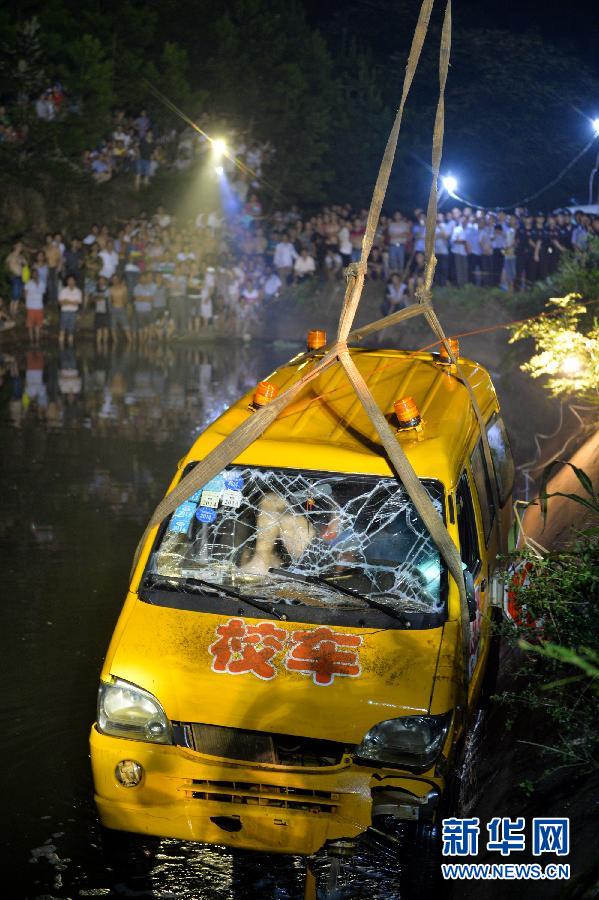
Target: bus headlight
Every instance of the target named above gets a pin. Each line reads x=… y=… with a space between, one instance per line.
x=411 y=741
x=127 y=711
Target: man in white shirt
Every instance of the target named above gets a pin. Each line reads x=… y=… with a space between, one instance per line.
x=284 y=257
x=304 y=266
x=34 y=304
x=110 y=260
x=69 y=300
x=459 y=250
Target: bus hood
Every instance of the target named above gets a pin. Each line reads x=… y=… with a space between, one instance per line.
x=280 y=677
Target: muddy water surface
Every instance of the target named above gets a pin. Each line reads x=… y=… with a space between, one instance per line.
x=88 y=445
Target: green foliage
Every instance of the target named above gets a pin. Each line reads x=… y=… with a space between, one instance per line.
x=579 y=274
x=556 y=678
x=567 y=354
x=590 y=502
x=22 y=71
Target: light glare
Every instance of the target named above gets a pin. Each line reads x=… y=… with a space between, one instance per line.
x=450 y=184
x=219 y=146
x=572 y=365
x=219 y=170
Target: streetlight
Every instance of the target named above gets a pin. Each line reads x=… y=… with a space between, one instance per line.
x=450 y=184
x=219 y=147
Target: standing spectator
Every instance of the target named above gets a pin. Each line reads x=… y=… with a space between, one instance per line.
x=100 y=299
x=441 y=251
x=459 y=251
x=15 y=263
x=73 y=262
x=398 y=234
x=356 y=236
x=143 y=295
x=34 y=304
x=54 y=259
x=110 y=260
x=509 y=259
x=143 y=169
x=474 y=252
x=41 y=265
x=497 y=258
x=485 y=237
x=178 y=299
x=345 y=247
x=142 y=123
x=70 y=300
x=119 y=309
x=284 y=258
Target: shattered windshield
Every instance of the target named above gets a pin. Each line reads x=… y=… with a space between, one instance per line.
x=310 y=538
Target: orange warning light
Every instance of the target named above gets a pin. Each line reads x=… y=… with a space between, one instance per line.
x=407 y=413
x=264 y=393
x=444 y=356
x=316 y=339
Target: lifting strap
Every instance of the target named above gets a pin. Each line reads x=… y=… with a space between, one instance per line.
x=257 y=422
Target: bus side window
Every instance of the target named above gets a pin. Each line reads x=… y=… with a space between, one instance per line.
x=483 y=489
x=467 y=526
x=501 y=454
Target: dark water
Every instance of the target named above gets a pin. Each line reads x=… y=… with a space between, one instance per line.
x=88 y=444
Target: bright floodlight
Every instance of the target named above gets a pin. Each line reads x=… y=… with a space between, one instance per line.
x=595 y=124
x=219 y=170
x=219 y=146
x=450 y=184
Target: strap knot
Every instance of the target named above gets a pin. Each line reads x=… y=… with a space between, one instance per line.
x=355 y=268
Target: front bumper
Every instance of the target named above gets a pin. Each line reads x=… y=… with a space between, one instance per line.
x=249 y=806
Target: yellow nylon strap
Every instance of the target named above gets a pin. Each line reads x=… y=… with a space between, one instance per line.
x=355 y=281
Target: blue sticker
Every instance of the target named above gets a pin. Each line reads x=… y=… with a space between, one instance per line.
x=181 y=517
x=234 y=481
x=195 y=498
x=216 y=484
x=205 y=514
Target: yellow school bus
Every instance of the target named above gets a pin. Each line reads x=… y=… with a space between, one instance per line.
x=287 y=670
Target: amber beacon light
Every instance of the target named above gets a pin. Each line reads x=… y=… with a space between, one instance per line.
x=454 y=346
x=316 y=339
x=407 y=413
x=264 y=393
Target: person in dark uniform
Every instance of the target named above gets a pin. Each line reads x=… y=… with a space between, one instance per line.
x=563 y=240
x=535 y=239
x=551 y=236
x=543 y=246
x=523 y=250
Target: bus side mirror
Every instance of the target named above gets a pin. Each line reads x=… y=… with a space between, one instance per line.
x=470 y=595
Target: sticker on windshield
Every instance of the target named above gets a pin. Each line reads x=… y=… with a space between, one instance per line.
x=264 y=649
x=210 y=498
x=181 y=517
x=206 y=514
x=232 y=499
x=233 y=480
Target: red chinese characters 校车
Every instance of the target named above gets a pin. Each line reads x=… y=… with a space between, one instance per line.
x=242 y=648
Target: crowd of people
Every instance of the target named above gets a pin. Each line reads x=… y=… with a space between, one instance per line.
x=138 y=147
x=154 y=277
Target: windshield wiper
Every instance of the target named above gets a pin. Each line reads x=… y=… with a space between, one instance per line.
x=166 y=583
x=324 y=580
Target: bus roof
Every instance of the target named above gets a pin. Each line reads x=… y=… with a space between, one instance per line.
x=327 y=429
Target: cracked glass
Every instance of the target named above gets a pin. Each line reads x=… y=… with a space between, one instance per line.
x=298 y=537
